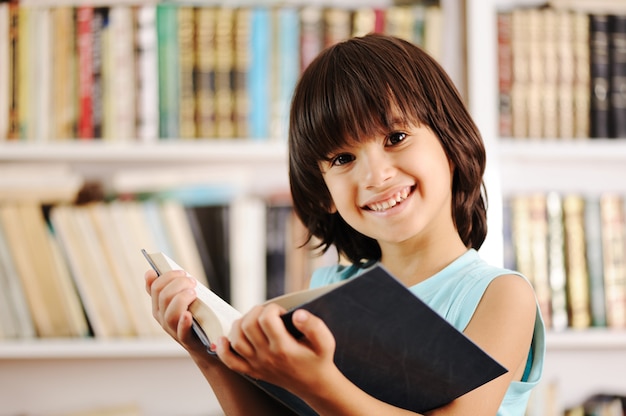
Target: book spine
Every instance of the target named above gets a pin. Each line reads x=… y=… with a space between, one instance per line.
x=147 y=73
x=245 y=63
x=521 y=76
x=261 y=80
x=122 y=86
x=578 y=292
x=168 y=70
x=556 y=261
x=99 y=24
x=529 y=231
x=224 y=100
x=311 y=34
x=613 y=254
x=505 y=73
x=24 y=72
x=13 y=127
x=595 y=268
x=582 y=100
x=564 y=110
x=64 y=74
x=5 y=67
x=617 y=71
x=84 y=44
x=205 y=71
x=186 y=47
x=287 y=56
x=599 y=73
x=337 y=25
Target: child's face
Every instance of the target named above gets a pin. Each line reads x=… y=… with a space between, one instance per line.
x=393 y=187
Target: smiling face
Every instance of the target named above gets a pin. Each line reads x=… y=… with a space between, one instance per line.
x=393 y=187
x=358 y=98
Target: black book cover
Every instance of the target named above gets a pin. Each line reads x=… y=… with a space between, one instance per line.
x=395 y=347
x=600 y=76
x=617 y=59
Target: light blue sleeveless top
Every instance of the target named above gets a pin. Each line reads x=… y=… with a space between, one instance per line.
x=454 y=293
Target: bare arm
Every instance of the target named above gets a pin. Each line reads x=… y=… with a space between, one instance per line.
x=502 y=325
x=172 y=293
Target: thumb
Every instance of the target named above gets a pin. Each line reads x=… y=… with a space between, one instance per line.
x=314 y=330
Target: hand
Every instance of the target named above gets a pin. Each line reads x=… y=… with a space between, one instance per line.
x=172 y=293
x=261 y=347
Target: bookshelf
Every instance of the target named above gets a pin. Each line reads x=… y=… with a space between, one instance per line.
x=69 y=375
x=580 y=362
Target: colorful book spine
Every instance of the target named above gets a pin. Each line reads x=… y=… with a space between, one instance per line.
x=147 y=73
x=84 y=45
x=224 y=100
x=259 y=73
x=205 y=71
x=186 y=59
x=168 y=69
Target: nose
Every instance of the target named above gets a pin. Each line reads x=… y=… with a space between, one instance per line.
x=377 y=166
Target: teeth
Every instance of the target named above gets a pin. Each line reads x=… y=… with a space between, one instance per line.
x=391 y=202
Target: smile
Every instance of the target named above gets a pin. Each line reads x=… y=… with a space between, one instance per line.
x=397 y=198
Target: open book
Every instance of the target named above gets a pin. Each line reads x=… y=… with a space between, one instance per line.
x=388 y=342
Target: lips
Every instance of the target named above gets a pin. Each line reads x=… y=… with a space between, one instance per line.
x=395 y=199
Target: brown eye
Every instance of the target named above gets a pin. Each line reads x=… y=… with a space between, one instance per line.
x=395 y=138
x=342 y=159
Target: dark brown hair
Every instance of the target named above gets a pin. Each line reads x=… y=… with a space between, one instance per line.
x=350 y=92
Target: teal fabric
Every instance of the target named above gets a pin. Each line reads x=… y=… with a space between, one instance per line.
x=454 y=293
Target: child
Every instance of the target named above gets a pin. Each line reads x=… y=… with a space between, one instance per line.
x=386 y=165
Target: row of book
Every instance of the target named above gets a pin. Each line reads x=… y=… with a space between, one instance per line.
x=561 y=73
x=573 y=249
x=172 y=71
x=71 y=270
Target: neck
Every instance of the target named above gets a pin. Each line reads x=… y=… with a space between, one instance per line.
x=412 y=263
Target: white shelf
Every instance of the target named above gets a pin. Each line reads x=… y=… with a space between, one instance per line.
x=596 y=339
x=589 y=166
x=174 y=150
x=43 y=349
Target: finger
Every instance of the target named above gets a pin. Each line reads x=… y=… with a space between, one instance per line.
x=150 y=276
x=315 y=331
x=233 y=360
x=243 y=334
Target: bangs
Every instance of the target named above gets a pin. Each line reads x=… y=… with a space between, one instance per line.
x=350 y=102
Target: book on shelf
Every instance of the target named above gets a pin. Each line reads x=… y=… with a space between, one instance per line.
x=617 y=71
x=53 y=302
x=415 y=369
x=168 y=70
x=224 y=61
x=15 y=316
x=557 y=274
x=580 y=45
x=614 y=259
x=578 y=291
x=599 y=75
x=595 y=267
x=5 y=59
x=186 y=45
x=120 y=84
x=147 y=81
x=64 y=106
x=205 y=70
